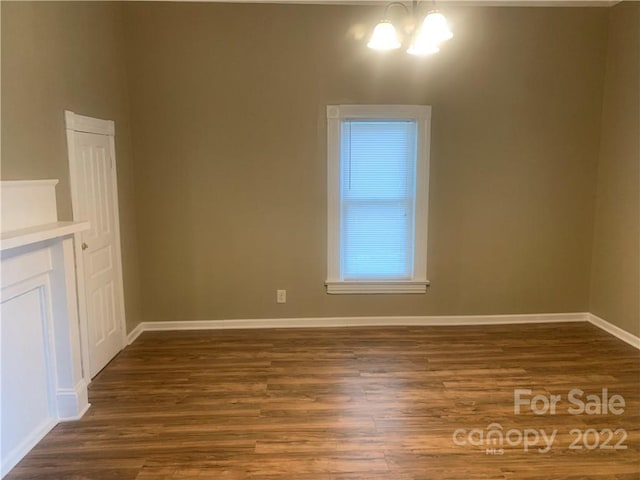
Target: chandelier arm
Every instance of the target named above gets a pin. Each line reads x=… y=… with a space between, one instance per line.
x=396 y=4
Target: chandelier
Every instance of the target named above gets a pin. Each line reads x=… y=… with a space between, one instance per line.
x=426 y=34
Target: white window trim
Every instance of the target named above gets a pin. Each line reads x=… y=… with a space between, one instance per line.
x=335 y=114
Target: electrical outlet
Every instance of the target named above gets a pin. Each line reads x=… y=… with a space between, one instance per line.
x=281 y=296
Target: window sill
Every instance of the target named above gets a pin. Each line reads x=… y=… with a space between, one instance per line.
x=376 y=287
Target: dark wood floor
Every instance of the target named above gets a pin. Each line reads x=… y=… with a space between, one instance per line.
x=345 y=404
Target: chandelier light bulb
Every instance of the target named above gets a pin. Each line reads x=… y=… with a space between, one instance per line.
x=384 y=37
x=435 y=28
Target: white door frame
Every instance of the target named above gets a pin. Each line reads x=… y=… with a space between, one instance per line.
x=80 y=123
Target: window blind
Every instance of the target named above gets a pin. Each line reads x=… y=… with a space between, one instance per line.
x=378 y=166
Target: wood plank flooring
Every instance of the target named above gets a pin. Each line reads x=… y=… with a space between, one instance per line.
x=346 y=404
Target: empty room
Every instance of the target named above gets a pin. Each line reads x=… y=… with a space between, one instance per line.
x=320 y=240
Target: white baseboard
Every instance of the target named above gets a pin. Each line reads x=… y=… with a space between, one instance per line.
x=608 y=327
x=320 y=322
x=76 y=417
x=72 y=402
x=438 y=320
x=135 y=333
x=12 y=458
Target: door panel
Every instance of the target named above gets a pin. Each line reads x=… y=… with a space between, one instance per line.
x=94 y=182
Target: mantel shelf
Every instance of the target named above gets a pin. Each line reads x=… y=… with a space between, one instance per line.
x=39 y=233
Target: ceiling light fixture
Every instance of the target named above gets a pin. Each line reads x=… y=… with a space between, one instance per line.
x=426 y=34
x=384 y=37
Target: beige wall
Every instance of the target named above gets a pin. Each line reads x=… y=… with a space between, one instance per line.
x=615 y=277
x=227 y=108
x=58 y=56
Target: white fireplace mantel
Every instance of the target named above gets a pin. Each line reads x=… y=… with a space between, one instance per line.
x=39 y=233
x=42 y=373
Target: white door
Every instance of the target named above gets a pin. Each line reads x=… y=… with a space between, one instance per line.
x=94 y=192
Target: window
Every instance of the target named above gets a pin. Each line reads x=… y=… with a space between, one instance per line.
x=378 y=177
